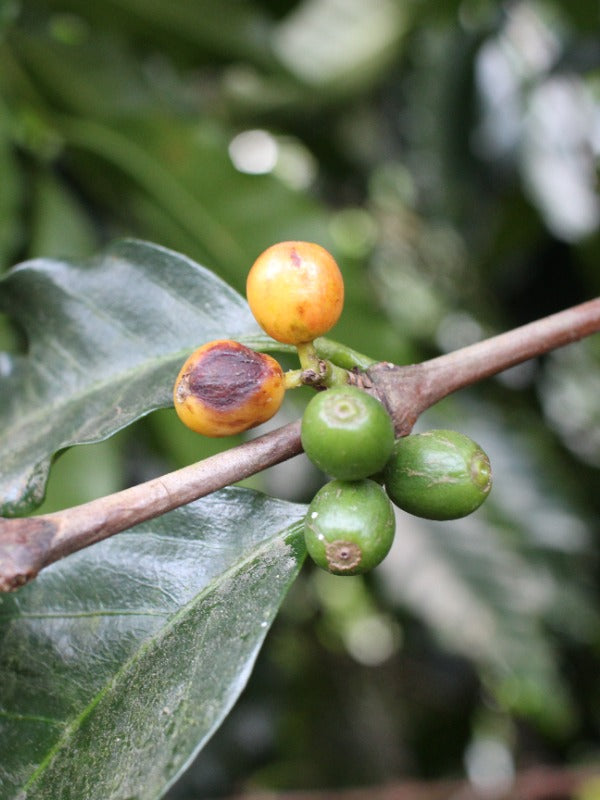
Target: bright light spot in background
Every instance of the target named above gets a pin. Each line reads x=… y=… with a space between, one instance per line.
x=296 y=166
x=529 y=40
x=354 y=232
x=570 y=380
x=372 y=639
x=326 y=41
x=499 y=130
x=457 y=329
x=254 y=152
x=524 y=50
x=550 y=122
x=258 y=152
x=489 y=765
x=350 y=615
x=558 y=159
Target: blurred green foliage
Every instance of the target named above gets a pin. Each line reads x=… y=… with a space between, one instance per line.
x=447 y=154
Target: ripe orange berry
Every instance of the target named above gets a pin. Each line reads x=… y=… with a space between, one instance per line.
x=225 y=388
x=296 y=291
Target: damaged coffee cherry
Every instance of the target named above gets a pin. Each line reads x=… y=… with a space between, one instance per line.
x=225 y=388
x=349 y=527
x=295 y=291
x=347 y=433
x=439 y=474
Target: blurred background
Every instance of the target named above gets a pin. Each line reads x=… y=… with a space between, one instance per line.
x=447 y=154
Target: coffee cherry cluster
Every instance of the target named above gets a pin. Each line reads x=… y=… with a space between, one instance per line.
x=296 y=292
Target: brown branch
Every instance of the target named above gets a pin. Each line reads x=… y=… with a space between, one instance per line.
x=536 y=783
x=407 y=391
x=29 y=544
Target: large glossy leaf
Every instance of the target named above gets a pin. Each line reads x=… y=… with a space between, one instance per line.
x=106 y=339
x=118 y=663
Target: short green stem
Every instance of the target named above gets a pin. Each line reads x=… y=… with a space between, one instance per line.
x=292 y=379
x=335 y=376
x=319 y=372
x=342 y=356
x=308 y=357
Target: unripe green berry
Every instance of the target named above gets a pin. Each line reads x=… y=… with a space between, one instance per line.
x=349 y=527
x=439 y=474
x=347 y=433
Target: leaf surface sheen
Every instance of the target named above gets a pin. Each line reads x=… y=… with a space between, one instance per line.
x=119 y=662
x=106 y=340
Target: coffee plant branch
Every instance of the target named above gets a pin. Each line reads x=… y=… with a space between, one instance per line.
x=29 y=544
x=533 y=783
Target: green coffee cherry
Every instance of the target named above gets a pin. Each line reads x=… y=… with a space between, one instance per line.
x=347 y=433
x=438 y=474
x=349 y=527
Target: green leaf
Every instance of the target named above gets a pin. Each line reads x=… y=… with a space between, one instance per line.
x=184 y=29
x=59 y=226
x=184 y=191
x=10 y=193
x=106 y=340
x=118 y=663
x=96 y=76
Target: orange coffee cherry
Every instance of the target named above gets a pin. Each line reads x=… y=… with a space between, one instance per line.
x=225 y=388
x=296 y=291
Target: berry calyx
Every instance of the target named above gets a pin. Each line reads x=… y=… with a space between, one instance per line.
x=347 y=433
x=295 y=291
x=349 y=527
x=439 y=474
x=225 y=388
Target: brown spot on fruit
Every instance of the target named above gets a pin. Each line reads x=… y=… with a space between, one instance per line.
x=225 y=388
x=227 y=375
x=295 y=257
x=343 y=556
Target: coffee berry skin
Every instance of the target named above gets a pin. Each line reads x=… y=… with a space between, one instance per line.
x=225 y=388
x=295 y=291
x=349 y=527
x=347 y=433
x=438 y=474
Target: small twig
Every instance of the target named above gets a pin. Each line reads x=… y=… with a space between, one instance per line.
x=407 y=391
x=29 y=544
x=536 y=783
